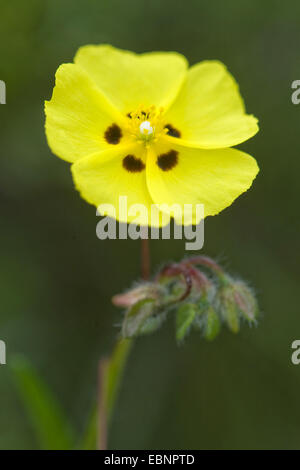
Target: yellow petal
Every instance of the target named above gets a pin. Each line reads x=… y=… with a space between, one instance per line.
x=214 y=178
x=129 y=80
x=78 y=115
x=209 y=111
x=105 y=179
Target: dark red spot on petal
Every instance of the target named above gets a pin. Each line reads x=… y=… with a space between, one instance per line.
x=168 y=160
x=113 y=134
x=133 y=164
x=172 y=131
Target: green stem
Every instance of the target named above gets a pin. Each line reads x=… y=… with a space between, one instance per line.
x=110 y=376
x=111 y=369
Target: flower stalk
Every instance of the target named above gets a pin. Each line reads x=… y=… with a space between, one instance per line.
x=110 y=371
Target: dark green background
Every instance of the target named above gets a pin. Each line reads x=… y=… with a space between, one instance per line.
x=57 y=278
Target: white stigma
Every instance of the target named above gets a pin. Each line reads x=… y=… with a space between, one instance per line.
x=146 y=128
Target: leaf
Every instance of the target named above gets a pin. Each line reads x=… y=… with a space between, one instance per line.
x=184 y=318
x=89 y=438
x=51 y=426
x=112 y=371
x=114 y=374
x=213 y=324
x=136 y=316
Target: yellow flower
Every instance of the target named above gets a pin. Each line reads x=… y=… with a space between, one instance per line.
x=146 y=127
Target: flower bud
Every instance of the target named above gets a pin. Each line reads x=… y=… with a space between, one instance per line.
x=246 y=301
x=228 y=307
x=185 y=317
x=201 y=301
x=136 y=317
x=212 y=324
x=207 y=320
x=131 y=297
x=236 y=300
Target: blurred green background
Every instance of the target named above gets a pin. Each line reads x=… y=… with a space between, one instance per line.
x=57 y=278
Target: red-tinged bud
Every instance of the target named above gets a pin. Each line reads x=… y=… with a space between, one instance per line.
x=245 y=300
x=235 y=301
x=141 y=292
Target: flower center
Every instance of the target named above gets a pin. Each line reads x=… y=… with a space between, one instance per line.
x=145 y=124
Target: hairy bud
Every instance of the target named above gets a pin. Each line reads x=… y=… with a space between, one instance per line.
x=200 y=299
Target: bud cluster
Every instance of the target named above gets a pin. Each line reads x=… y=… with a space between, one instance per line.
x=199 y=292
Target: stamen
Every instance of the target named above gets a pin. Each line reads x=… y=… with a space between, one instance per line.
x=145 y=123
